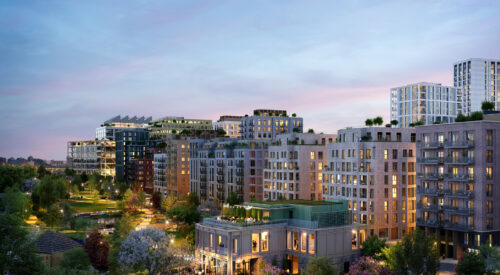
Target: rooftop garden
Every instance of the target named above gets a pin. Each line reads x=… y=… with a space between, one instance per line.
x=297 y=202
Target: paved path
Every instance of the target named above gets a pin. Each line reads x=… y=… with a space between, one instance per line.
x=146 y=218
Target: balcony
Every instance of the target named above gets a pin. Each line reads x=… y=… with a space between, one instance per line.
x=239 y=164
x=460 y=178
x=459 y=210
x=239 y=181
x=430 y=160
x=430 y=145
x=430 y=176
x=429 y=223
x=459 y=144
x=220 y=187
x=459 y=161
x=203 y=185
x=239 y=173
x=203 y=171
x=220 y=181
x=429 y=192
x=220 y=172
x=460 y=194
x=220 y=164
x=429 y=207
x=459 y=227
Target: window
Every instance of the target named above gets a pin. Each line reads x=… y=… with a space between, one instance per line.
x=211 y=240
x=311 y=244
x=386 y=205
x=489 y=173
x=489 y=156
x=255 y=242
x=394 y=192
x=303 y=242
x=295 y=241
x=312 y=155
x=394 y=154
x=394 y=179
x=386 y=152
x=264 y=241
x=489 y=207
x=489 y=137
x=235 y=245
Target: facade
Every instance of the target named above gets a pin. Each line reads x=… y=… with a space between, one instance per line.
x=479 y=80
x=171 y=167
x=92 y=156
x=294 y=166
x=291 y=231
x=230 y=124
x=427 y=102
x=141 y=170
x=373 y=169
x=163 y=127
x=267 y=124
x=457 y=186
x=108 y=129
x=130 y=144
x=224 y=165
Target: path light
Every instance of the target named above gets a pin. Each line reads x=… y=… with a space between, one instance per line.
x=171 y=240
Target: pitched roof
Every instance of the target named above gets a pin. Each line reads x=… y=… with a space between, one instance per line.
x=52 y=242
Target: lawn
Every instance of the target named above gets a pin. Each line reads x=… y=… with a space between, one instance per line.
x=85 y=205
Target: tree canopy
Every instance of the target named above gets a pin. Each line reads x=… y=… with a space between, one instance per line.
x=321 y=266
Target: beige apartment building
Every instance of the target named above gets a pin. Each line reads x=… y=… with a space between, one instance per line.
x=171 y=166
x=163 y=127
x=91 y=156
x=294 y=166
x=230 y=124
x=374 y=169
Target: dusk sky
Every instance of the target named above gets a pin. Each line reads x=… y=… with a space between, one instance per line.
x=66 y=66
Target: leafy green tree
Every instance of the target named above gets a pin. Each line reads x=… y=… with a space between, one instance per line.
x=49 y=190
x=69 y=172
x=193 y=200
x=394 y=122
x=124 y=226
x=141 y=199
x=415 y=254
x=233 y=198
x=188 y=214
x=369 y=122
x=84 y=177
x=310 y=131
x=53 y=217
x=378 y=121
x=42 y=172
x=17 y=250
x=491 y=256
x=487 y=106
x=156 y=200
x=472 y=264
x=75 y=259
x=15 y=202
x=14 y=176
x=476 y=116
x=460 y=118
x=320 y=266
x=169 y=202
x=373 y=247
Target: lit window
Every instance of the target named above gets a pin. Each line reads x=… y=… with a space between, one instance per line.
x=265 y=241
x=255 y=242
x=385 y=153
x=312 y=155
x=394 y=192
x=394 y=179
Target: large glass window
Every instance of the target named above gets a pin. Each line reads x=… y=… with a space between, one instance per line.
x=295 y=241
x=303 y=242
x=265 y=241
x=255 y=242
x=311 y=244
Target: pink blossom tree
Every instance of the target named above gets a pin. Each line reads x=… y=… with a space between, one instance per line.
x=369 y=266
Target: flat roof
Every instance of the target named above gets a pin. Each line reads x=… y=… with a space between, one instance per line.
x=297 y=202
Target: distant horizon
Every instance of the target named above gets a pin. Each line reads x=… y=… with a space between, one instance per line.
x=65 y=67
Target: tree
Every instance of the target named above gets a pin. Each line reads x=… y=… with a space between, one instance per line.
x=487 y=106
x=373 y=247
x=268 y=269
x=69 y=172
x=310 y=131
x=17 y=251
x=460 y=118
x=321 y=266
x=97 y=249
x=378 y=121
x=42 y=172
x=48 y=191
x=188 y=214
x=136 y=186
x=369 y=266
x=14 y=176
x=15 y=202
x=84 y=177
x=53 y=216
x=193 y=200
x=394 y=122
x=124 y=226
x=233 y=198
x=472 y=264
x=156 y=200
x=369 y=122
x=147 y=249
x=75 y=259
x=169 y=202
x=476 y=116
x=492 y=257
x=415 y=254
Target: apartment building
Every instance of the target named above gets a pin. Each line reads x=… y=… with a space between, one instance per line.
x=427 y=102
x=171 y=166
x=163 y=127
x=130 y=144
x=292 y=232
x=373 y=168
x=479 y=80
x=230 y=124
x=141 y=171
x=92 y=156
x=108 y=128
x=223 y=165
x=457 y=184
x=294 y=166
x=267 y=124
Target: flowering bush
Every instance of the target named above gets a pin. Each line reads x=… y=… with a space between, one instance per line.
x=369 y=266
x=268 y=269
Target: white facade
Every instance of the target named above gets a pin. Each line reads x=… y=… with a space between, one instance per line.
x=230 y=124
x=479 y=80
x=427 y=102
x=110 y=127
x=267 y=124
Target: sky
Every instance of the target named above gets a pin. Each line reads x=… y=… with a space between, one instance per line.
x=67 y=66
